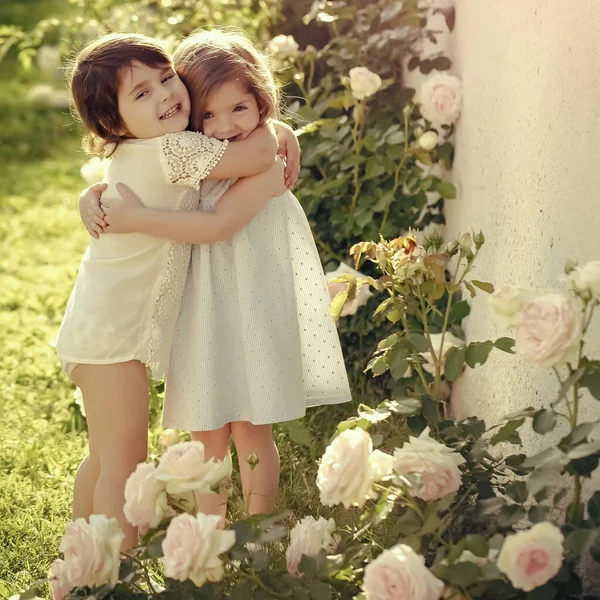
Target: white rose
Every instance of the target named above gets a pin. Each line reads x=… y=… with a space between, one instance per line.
x=441 y=99
x=508 y=304
x=283 y=46
x=450 y=341
x=550 y=330
x=60 y=586
x=428 y=141
x=337 y=287
x=91 y=552
x=400 y=574
x=183 y=469
x=346 y=473
x=586 y=280
x=363 y=83
x=192 y=547
x=435 y=464
x=94 y=169
x=169 y=437
x=145 y=498
x=48 y=58
x=308 y=537
x=531 y=558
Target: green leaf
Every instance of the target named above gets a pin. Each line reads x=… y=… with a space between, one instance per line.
x=510 y=515
x=543 y=477
x=454 y=362
x=154 y=549
x=404 y=406
x=505 y=344
x=446 y=190
x=477 y=544
x=430 y=409
x=337 y=304
x=537 y=513
x=308 y=566
x=579 y=541
x=442 y=63
x=517 y=490
x=419 y=342
x=244 y=533
x=319 y=590
x=477 y=353
x=560 y=496
x=32 y=592
x=459 y=311
x=544 y=421
x=583 y=450
x=594 y=508
x=591 y=380
x=507 y=431
x=545 y=592
x=484 y=285
x=464 y=574
x=550 y=455
x=299 y=433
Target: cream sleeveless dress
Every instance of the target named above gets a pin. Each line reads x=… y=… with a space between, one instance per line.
x=129 y=286
x=254 y=340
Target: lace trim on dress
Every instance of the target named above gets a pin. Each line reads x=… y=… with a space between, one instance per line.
x=189 y=157
x=167 y=298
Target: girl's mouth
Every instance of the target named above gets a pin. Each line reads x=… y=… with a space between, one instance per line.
x=171 y=112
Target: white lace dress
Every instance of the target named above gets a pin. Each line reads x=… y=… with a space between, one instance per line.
x=254 y=340
x=129 y=286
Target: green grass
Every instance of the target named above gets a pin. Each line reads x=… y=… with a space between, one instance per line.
x=42 y=435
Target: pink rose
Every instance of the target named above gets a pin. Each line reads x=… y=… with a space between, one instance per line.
x=441 y=99
x=531 y=558
x=400 y=574
x=91 y=551
x=550 y=330
x=435 y=464
x=308 y=537
x=59 y=584
x=192 y=546
x=145 y=498
x=183 y=469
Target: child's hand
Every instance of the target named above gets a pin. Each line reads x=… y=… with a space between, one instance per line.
x=289 y=150
x=122 y=215
x=90 y=211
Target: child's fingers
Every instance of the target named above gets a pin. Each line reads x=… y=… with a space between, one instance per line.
x=99 y=221
x=92 y=232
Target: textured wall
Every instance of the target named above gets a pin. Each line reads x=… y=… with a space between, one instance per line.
x=527 y=167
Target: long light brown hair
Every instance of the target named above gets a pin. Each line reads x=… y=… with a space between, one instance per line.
x=207 y=59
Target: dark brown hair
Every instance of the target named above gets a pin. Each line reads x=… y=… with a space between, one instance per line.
x=95 y=81
x=207 y=59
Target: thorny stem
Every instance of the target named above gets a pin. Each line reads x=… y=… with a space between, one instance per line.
x=356 y=135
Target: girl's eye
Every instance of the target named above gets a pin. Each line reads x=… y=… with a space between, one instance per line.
x=207 y=115
x=141 y=95
x=240 y=108
x=167 y=78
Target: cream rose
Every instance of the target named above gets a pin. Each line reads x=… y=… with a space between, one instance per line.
x=283 y=46
x=91 y=551
x=192 y=547
x=346 y=473
x=435 y=464
x=428 y=141
x=400 y=574
x=337 y=287
x=183 y=469
x=60 y=586
x=550 y=330
x=169 y=437
x=441 y=99
x=308 y=537
x=363 y=83
x=585 y=280
x=145 y=498
x=508 y=304
x=531 y=558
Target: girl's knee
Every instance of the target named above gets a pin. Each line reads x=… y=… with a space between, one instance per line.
x=245 y=432
x=216 y=441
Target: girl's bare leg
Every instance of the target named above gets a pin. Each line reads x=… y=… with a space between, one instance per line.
x=216 y=445
x=116 y=403
x=86 y=480
x=261 y=483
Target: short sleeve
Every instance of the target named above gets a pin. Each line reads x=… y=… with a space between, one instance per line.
x=188 y=157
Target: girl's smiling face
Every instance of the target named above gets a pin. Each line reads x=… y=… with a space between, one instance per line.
x=152 y=101
x=231 y=112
